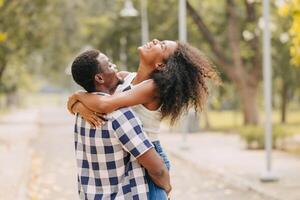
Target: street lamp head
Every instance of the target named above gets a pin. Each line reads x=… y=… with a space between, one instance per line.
x=128 y=10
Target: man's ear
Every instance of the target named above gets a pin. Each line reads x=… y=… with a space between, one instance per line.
x=159 y=66
x=99 y=79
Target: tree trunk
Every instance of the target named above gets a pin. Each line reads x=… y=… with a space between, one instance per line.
x=12 y=99
x=206 y=119
x=248 y=96
x=233 y=66
x=2 y=67
x=284 y=102
x=190 y=122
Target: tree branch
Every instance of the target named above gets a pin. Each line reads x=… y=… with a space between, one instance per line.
x=216 y=47
x=234 y=36
x=2 y=68
x=254 y=44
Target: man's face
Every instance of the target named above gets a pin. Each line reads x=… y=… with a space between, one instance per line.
x=108 y=72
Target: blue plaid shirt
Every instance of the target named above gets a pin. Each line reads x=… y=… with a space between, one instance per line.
x=106 y=157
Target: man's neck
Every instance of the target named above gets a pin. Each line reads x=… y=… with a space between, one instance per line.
x=106 y=90
x=143 y=73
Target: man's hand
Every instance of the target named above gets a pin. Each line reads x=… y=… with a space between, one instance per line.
x=93 y=118
x=156 y=168
x=168 y=190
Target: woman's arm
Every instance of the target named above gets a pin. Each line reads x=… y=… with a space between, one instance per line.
x=142 y=93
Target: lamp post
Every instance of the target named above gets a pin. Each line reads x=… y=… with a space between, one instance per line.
x=123 y=54
x=128 y=10
x=183 y=38
x=182 y=20
x=267 y=175
x=144 y=22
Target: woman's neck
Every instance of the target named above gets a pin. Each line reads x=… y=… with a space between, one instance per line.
x=143 y=73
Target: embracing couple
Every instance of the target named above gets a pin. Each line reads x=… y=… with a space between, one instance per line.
x=118 y=152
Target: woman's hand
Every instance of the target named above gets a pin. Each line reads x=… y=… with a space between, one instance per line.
x=73 y=99
x=70 y=104
x=93 y=118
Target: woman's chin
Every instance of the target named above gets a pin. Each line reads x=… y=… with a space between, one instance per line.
x=140 y=49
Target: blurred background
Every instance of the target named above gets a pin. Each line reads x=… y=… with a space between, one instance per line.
x=217 y=154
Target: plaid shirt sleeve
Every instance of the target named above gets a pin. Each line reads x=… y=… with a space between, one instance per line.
x=128 y=130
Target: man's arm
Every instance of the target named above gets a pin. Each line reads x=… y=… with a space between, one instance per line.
x=156 y=169
x=128 y=130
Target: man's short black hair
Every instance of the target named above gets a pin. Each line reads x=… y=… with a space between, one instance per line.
x=84 y=68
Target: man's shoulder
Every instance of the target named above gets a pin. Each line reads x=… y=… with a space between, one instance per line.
x=101 y=93
x=122 y=112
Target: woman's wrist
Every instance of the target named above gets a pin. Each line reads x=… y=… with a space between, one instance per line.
x=75 y=107
x=78 y=95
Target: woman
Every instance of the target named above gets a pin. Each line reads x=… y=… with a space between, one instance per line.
x=170 y=78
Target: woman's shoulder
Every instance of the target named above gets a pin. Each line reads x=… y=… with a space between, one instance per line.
x=123 y=74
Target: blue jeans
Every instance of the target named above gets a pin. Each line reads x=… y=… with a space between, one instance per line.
x=155 y=192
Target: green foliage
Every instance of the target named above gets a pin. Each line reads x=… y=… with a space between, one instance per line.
x=104 y=29
x=295 y=32
x=285 y=75
x=291 y=10
x=255 y=138
x=19 y=22
x=39 y=39
x=3 y=37
x=17 y=75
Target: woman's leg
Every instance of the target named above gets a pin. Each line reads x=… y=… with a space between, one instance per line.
x=155 y=192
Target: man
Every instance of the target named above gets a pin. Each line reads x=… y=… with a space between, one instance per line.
x=110 y=158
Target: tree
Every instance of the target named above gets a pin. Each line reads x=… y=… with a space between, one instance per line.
x=285 y=74
x=239 y=55
x=36 y=41
x=19 y=20
x=295 y=32
x=103 y=27
x=3 y=36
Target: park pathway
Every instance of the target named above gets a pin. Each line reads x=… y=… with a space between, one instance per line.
x=51 y=171
x=53 y=167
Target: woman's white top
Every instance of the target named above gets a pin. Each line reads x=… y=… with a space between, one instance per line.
x=149 y=118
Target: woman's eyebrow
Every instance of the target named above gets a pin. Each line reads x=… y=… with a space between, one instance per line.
x=166 y=46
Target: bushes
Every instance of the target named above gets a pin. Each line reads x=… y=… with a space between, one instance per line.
x=254 y=136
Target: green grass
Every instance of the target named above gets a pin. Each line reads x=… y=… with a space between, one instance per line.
x=231 y=121
x=223 y=120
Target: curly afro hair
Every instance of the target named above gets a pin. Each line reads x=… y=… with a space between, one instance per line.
x=84 y=68
x=182 y=82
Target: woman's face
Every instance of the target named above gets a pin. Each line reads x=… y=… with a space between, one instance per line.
x=155 y=52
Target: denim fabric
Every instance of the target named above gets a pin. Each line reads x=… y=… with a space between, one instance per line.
x=155 y=192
